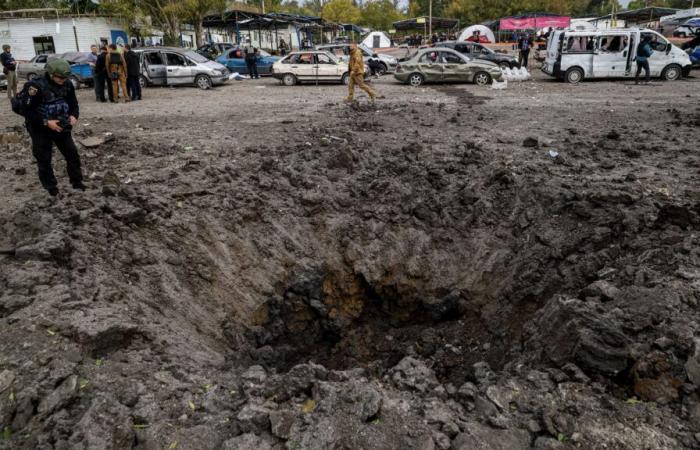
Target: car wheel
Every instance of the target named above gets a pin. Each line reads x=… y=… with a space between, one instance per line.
x=75 y=82
x=143 y=82
x=289 y=79
x=504 y=65
x=382 y=69
x=574 y=75
x=203 y=82
x=345 y=79
x=416 y=79
x=31 y=76
x=482 y=78
x=672 y=72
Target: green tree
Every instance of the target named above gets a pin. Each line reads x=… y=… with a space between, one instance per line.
x=341 y=11
x=379 y=14
x=194 y=11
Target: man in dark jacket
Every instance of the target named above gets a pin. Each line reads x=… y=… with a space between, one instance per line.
x=50 y=109
x=133 y=71
x=644 y=51
x=251 y=61
x=101 y=77
x=524 y=45
x=9 y=68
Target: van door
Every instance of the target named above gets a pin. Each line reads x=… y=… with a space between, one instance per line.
x=610 y=58
x=659 y=58
x=179 y=71
x=155 y=67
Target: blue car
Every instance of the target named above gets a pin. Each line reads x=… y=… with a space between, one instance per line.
x=234 y=60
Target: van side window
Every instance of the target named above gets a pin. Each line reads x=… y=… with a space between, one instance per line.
x=579 y=44
x=154 y=58
x=612 y=44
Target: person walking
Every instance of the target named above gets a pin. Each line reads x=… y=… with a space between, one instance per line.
x=524 y=45
x=50 y=109
x=9 y=68
x=251 y=61
x=133 y=72
x=644 y=51
x=117 y=73
x=102 y=78
x=356 y=66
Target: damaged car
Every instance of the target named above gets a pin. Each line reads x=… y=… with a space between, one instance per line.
x=444 y=65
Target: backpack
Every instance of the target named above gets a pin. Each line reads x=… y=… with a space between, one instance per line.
x=20 y=102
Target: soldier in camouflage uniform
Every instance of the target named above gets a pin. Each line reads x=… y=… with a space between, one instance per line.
x=356 y=66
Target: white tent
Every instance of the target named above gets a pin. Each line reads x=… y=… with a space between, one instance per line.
x=483 y=31
x=377 y=39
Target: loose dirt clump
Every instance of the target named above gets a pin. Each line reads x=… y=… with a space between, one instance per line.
x=406 y=275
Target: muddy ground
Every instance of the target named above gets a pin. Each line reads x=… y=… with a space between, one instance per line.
x=263 y=267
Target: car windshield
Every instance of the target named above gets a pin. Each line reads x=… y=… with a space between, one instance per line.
x=331 y=56
x=263 y=53
x=196 y=57
x=366 y=50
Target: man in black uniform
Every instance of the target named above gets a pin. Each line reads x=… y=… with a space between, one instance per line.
x=251 y=61
x=50 y=109
x=102 y=78
x=133 y=70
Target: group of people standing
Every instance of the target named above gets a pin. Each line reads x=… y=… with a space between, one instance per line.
x=118 y=71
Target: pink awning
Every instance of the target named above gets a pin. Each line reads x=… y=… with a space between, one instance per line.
x=535 y=22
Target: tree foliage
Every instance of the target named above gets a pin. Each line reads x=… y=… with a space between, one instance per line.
x=341 y=11
x=379 y=14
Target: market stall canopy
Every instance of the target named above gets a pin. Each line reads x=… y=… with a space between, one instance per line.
x=643 y=15
x=485 y=34
x=421 y=22
x=533 y=21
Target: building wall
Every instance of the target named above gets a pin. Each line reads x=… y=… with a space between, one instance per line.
x=19 y=33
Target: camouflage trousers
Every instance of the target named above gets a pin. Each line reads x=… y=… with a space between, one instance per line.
x=359 y=80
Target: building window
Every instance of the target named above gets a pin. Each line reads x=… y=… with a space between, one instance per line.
x=43 y=45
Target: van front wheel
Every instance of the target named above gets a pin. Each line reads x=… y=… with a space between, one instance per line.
x=574 y=75
x=672 y=72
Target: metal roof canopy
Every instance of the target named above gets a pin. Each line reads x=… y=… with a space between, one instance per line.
x=238 y=17
x=642 y=15
x=437 y=23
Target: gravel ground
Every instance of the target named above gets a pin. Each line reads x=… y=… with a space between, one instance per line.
x=265 y=267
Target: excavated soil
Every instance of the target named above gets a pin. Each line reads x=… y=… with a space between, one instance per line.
x=262 y=267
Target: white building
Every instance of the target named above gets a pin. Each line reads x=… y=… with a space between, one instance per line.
x=52 y=33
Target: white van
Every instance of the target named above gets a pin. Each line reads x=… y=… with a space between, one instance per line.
x=577 y=55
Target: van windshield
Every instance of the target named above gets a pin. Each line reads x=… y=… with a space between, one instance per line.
x=196 y=57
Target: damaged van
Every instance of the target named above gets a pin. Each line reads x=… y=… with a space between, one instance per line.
x=577 y=55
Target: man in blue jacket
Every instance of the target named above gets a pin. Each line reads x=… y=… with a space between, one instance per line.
x=50 y=109
x=644 y=51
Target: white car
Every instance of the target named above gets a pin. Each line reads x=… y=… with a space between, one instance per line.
x=311 y=66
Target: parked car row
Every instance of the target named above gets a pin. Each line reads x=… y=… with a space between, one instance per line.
x=570 y=55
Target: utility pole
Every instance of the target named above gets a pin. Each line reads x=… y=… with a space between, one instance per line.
x=430 y=18
x=262 y=3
